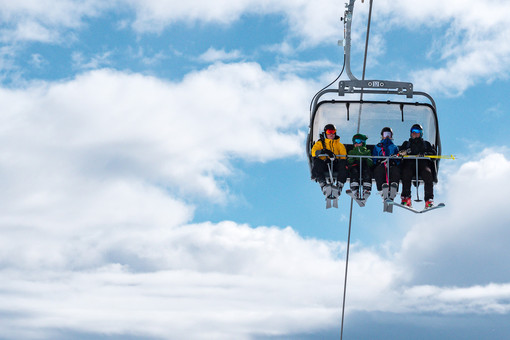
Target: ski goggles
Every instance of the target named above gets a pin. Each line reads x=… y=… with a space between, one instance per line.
x=416 y=131
x=358 y=141
x=330 y=131
x=387 y=134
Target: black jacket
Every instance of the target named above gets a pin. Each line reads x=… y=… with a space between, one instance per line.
x=418 y=146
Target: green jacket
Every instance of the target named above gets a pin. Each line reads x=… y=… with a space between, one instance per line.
x=360 y=151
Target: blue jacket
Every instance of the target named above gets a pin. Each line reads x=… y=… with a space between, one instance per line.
x=385 y=148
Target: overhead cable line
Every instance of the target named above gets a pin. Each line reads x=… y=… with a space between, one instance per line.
x=350 y=213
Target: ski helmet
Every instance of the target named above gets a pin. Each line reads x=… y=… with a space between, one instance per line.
x=330 y=127
x=360 y=138
x=417 y=128
x=387 y=129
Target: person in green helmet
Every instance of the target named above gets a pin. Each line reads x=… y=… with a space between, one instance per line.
x=360 y=149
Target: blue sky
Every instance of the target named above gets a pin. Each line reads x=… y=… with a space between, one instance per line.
x=154 y=183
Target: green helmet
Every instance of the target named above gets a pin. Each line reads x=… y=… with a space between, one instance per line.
x=360 y=137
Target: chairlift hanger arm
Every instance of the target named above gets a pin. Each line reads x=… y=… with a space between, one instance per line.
x=350 y=86
x=354 y=83
x=347 y=38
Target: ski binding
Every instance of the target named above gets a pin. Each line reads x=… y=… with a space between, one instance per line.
x=361 y=201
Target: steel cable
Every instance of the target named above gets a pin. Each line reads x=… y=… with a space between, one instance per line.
x=350 y=213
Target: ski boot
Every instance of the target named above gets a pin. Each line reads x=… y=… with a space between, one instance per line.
x=367 y=190
x=393 y=190
x=354 y=189
x=429 y=204
x=406 y=201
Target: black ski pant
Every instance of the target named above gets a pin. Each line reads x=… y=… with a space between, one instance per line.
x=366 y=175
x=320 y=169
x=381 y=175
x=424 y=171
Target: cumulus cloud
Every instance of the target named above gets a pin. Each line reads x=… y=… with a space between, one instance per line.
x=222 y=281
x=465 y=242
x=472 y=45
x=313 y=21
x=100 y=176
x=96 y=237
x=95 y=175
x=45 y=20
x=170 y=133
x=107 y=153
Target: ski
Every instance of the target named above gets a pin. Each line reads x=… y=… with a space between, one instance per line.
x=332 y=192
x=440 y=205
x=387 y=193
x=361 y=202
x=328 y=203
x=393 y=190
x=388 y=205
x=331 y=202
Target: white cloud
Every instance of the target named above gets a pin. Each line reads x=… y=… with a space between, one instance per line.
x=472 y=45
x=213 y=55
x=114 y=150
x=94 y=62
x=465 y=242
x=299 y=67
x=149 y=276
x=487 y=299
x=311 y=21
x=473 y=49
x=181 y=136
x=97 y=237
x=94 y=171
x=228 y=279
x=44 y=20
x=7 y=60
x=37 y=60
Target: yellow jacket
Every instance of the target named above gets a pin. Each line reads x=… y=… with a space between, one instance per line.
x=333 y=145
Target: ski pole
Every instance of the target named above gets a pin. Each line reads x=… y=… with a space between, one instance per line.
x=432 y=156
x=330 y=168
x=360 y=186
x=417 y=183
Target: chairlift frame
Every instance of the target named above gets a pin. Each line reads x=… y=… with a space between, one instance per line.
x=354 y=86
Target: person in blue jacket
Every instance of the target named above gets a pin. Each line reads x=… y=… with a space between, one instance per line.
x=386 y=148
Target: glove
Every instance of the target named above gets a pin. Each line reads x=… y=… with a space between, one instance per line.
x=328 y=152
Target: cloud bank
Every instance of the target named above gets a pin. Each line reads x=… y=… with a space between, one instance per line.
x=100 y=178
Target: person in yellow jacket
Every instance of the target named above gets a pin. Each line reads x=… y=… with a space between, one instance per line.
x=329 y=144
